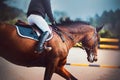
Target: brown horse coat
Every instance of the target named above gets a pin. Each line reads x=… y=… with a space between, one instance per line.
x=20 y=50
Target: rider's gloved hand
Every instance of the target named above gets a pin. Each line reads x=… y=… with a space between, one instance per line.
x=54 y=25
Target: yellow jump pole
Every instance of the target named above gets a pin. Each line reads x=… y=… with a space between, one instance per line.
x=93 y=65
x=104 y=46
x=108 y=40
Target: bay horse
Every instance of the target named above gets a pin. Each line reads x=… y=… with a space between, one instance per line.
x=20 y=50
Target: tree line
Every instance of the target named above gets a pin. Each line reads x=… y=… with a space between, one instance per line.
x=111 y=20
x=9 y=13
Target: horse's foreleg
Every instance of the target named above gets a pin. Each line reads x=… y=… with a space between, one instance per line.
x=50 y=68
x=64 y=73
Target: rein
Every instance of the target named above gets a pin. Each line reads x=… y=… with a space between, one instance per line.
x=59 y=32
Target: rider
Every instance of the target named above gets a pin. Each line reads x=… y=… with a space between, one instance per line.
x=37 y=11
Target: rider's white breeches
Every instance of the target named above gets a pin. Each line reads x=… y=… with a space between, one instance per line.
x=39 y=21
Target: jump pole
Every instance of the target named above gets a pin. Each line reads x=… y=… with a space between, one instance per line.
x=93 y=65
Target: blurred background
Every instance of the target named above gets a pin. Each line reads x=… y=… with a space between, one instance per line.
x=95 y=12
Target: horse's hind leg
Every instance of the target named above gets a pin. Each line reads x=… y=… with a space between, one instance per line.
x=64 y=73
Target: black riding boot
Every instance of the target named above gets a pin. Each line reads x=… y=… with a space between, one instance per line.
x=41 y=42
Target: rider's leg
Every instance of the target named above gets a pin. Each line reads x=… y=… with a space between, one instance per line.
x=42 y=24
x=42 y=40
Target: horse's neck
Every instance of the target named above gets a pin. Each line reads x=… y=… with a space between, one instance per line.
x=75 y=34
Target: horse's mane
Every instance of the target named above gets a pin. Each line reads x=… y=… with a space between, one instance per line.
x=67 y=23
x=73 y=24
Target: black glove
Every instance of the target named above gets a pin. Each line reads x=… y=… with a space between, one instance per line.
x=54 y=25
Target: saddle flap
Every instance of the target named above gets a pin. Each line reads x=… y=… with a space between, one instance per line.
x=28 y=31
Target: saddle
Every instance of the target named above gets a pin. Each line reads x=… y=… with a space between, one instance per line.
x=28 y=31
